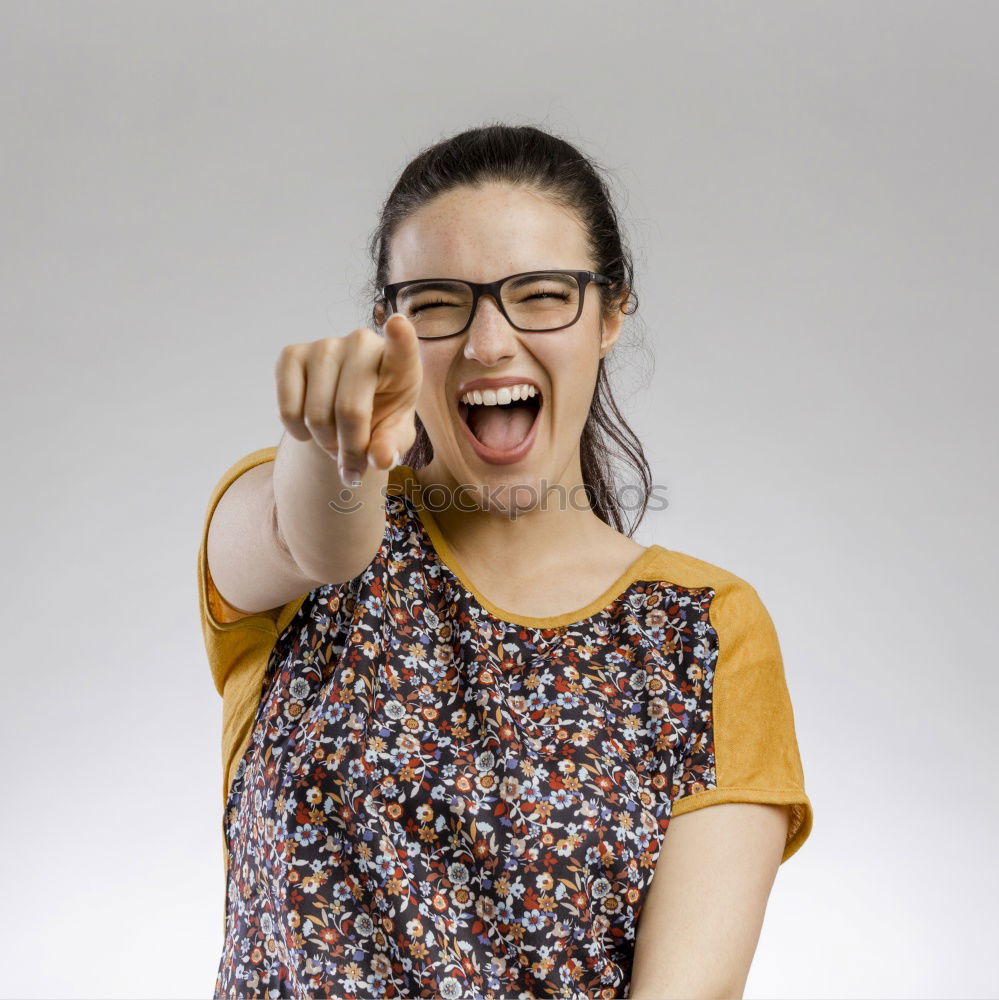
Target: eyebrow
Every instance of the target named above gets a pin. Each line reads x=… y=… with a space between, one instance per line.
x=436 y=285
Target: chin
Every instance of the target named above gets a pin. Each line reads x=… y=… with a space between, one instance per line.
x=507 y=491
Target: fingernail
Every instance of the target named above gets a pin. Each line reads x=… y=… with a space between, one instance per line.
x=350 y=477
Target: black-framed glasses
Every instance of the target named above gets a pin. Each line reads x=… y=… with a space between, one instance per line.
x=531 y=301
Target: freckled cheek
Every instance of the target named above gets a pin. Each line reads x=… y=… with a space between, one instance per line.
x=573 y=382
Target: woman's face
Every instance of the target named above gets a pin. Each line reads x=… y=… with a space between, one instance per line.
x=482 y=234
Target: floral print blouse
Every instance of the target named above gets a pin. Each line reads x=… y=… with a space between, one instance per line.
x=436 y=798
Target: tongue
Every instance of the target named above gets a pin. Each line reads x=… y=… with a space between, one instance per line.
x=501 y=427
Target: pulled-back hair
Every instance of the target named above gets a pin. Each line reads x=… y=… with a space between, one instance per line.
x=527 y=156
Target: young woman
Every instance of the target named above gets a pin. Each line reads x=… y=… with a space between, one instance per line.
x=470 y=724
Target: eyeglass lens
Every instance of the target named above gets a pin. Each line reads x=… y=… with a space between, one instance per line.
x=539 y=301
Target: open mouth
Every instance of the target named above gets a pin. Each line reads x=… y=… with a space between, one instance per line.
x=501 y=426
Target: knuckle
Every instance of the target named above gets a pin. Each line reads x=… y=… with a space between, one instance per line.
x=324 y=348
x=351 y=414
x=316 y=418
x=363 y=335
x=288 y=356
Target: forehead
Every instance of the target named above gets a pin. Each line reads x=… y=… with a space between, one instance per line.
x=486 y=233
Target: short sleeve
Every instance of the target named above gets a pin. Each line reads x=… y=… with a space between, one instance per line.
x=741 y=744
x=219 y=620
x=237 y=645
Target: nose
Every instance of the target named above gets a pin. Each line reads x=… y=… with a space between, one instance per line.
x=490 y=338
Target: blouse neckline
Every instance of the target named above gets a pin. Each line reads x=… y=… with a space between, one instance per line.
x=404 y=477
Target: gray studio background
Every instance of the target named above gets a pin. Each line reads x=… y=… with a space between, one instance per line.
x=810 y=194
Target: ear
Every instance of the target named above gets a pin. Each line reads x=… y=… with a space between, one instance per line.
x=380 y=314
x=612 y=328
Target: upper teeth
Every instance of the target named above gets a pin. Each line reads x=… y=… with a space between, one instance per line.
x=498 y=397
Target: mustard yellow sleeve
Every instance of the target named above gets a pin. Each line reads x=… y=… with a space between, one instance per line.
x=742 y=745
x=238 y=645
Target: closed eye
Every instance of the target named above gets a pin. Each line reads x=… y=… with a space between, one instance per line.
x=429 y=305
x=549 y=295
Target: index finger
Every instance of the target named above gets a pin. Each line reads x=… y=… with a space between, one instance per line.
x=401 y=356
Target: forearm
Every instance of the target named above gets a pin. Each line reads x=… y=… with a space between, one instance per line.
x=331 y=531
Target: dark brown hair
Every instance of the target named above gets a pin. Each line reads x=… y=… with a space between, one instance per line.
x=528 y=156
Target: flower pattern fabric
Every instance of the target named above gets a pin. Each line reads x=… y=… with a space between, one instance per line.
x=435 y=802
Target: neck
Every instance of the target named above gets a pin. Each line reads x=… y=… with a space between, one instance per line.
x=513 y=522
